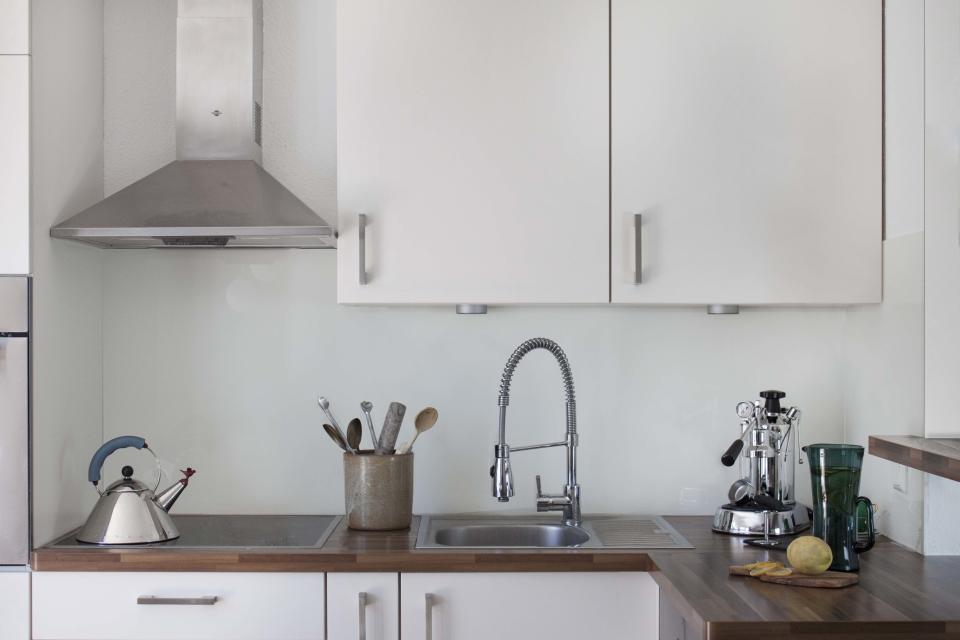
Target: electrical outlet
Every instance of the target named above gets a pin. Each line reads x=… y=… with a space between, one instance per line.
x=692 y=497
x=900 y=478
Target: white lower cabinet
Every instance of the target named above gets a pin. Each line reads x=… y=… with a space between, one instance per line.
x=364 y=606
x=347 y=606
x=519 y=606
x=178 y=606
x=14 y=605
x=673 y=626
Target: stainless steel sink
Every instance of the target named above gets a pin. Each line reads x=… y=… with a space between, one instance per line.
x=541 y=532
x=517 y=535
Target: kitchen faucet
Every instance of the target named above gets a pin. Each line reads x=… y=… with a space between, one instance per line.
x=569 y=500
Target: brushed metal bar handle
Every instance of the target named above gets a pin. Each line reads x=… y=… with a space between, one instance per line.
x=362 y=598
x=198 y=600
x=362 y=236
x=430 y=601
x=637 y=248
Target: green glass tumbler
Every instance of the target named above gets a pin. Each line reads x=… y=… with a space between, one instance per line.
x=835 y=472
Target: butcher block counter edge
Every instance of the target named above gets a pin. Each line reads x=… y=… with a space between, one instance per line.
x=939 y=456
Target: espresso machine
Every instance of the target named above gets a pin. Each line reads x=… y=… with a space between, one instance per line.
x=762 y=501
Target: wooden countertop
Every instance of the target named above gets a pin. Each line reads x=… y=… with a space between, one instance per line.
x=344 y=550
x=901 y=595
x=939 y=456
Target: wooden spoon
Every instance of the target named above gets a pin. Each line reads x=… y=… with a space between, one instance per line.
x=335 y=436
x=423 y=422
x=354 y=434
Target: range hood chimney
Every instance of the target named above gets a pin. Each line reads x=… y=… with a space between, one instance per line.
x=215 y=194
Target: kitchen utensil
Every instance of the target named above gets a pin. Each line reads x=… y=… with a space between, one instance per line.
x=366 y=407
x=835 y=472
x=325 y=405
x=423 y=422
x=828 y=580
x=378 y=490
x=337 y=437
x=354 y=434
x=391 y=427
x=128 y=511
x=767 y=454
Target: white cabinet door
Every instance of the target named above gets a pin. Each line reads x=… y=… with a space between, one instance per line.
x=474 y=134
x=364 y=606
x=14 y=604
x=14 y=164
x=747 y=134
x=177 y=606
x=14 y=27
x=519 y=606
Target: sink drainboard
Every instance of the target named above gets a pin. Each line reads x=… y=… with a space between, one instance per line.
x=641 y=532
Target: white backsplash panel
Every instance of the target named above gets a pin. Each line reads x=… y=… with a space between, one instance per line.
x=217 y=359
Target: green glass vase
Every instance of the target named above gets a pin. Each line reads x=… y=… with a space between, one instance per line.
x=835 y=473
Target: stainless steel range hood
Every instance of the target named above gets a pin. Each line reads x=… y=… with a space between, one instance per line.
x=215 y=194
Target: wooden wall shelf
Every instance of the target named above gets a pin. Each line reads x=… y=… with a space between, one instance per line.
x=939 y=456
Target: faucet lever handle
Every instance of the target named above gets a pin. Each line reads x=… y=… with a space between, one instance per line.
x=539 y=489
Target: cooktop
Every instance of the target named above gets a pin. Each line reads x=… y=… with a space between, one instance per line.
x=212 y=531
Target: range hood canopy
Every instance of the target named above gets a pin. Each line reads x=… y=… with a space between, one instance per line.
x=215 y=194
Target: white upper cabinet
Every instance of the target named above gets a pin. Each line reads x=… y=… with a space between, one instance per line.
x=14 y=164
x=747 y=135
x=474 y=136
x=14 y=27
x=519 y=606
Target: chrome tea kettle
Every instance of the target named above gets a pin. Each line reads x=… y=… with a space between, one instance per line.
x=128 y=511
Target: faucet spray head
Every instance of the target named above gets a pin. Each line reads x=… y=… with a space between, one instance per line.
x=501 y=474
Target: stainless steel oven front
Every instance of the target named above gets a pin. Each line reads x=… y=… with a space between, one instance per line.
x=14 y=420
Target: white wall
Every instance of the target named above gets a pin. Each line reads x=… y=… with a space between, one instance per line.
x=140 y=97
x=883 y=386
x=883 y=344
x=300 y=106
x=903 y=117
x=67 y=165
x=942 y=199
x=217 y=357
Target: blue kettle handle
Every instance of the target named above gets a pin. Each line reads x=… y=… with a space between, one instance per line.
x=108 y=447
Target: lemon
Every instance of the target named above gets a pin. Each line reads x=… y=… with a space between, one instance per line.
x=810 y=555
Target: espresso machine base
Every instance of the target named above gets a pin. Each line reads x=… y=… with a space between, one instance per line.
x=741 y=521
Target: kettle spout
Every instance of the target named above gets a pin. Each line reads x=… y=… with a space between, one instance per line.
x=168 y=496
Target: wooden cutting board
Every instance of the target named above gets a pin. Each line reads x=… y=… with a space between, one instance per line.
x=828 y=580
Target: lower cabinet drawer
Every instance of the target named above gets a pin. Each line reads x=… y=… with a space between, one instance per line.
x=178 y=606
